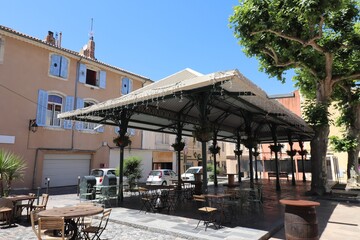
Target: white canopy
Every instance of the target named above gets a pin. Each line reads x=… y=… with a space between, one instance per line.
x=233 y=105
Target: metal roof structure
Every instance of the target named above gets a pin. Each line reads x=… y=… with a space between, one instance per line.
x=227 y=100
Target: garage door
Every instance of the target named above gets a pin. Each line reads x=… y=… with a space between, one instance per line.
x=64 y=169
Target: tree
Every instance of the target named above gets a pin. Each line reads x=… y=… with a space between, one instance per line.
x=12 y=168
x=318 y=38
x=347 y=96
x=132 y=170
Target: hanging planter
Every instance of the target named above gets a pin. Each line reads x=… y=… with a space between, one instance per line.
x=238 y=152
x=256 y=154
x=291 y=153
x=122 y=141
x=203 y=133
x=250 y=143
x=302 y=152
x=214 y=150
x=276 y=148
x=178 y=146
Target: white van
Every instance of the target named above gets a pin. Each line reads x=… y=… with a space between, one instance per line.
x=189 y=174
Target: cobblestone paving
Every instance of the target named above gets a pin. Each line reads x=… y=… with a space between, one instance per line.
x=113 y=231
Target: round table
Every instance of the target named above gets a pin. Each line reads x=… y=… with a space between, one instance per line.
x=70 y=213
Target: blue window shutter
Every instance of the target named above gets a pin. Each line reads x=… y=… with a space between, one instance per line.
x=79 y=104
x=130 y=85
x=55 y=65
x=69 y=105
x=100 y=129
x=82 y=73
x=102 y=77
x=64 y=67
x=125 y=86
x=41 y=108
x=131 y=131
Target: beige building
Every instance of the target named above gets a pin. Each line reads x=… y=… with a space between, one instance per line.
x=40 y=79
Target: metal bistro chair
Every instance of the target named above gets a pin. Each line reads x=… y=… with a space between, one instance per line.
x=207 y=213
x=43 y=204
x=97 y=230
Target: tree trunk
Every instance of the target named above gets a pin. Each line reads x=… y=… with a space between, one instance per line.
x=318 y=160
x=319 y=143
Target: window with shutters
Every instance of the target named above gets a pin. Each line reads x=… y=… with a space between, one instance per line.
x=89 y=125
x=91 y=76
x=126 y=86
x=54 y=107
x=59 y=66
x=2 y=46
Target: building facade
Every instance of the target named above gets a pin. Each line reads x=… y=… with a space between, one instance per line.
x=40 y=79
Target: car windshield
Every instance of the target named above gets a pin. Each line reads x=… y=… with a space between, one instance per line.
x=97 y=173
x=192 y=170
x=155 y=173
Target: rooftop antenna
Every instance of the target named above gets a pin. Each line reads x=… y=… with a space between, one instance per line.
x=91 y=34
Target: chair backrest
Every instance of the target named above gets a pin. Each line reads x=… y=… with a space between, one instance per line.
x=31 y=201
x=45 y=199
x=6 y=203
x=199 y=198
x=34 y=218
x=51 y=223
x=104 y=220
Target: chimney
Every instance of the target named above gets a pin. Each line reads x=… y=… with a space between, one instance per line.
x=89 y=49
x=50 y=38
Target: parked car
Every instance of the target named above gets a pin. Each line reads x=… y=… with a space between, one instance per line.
x=188 y=175
x=161 y=177
x=99 y=174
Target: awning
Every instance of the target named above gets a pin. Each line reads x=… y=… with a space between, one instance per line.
x=234 y=103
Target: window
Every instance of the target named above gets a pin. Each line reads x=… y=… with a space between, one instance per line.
x=88 y=125
x=49 y=106
x=92 y=77
x=2 y=45
x=54 y=107
x=126 y=86
x=162 y=138
x=59 y=66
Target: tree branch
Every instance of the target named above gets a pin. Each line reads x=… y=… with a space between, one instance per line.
x=354 y=76
x=274 y=56
x=310 y=42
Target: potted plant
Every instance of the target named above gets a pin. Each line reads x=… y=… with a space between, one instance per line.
x=203 y=133
x=302 y=152
x=250 y=142
x=291 y=153
x=12 y=168
x=276 y=148
x=238 y=152
x=122 y=141
x=214 y=149
x=178 y=146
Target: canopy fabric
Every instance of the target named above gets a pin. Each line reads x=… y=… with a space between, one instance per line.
x=234 y=104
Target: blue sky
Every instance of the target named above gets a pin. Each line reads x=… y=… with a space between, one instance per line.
x=153 y=38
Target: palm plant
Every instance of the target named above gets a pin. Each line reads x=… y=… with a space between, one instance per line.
x=12 y=168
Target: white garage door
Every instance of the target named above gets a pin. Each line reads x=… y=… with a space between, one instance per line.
x=64 y=169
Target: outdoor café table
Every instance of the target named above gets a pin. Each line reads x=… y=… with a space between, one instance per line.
x=72 y=215
x=218 y=201
x=160 y=195
x=18 y=198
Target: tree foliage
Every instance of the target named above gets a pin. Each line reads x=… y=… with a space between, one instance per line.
x=132 y=170
x=319 y=39
x=12 y=168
